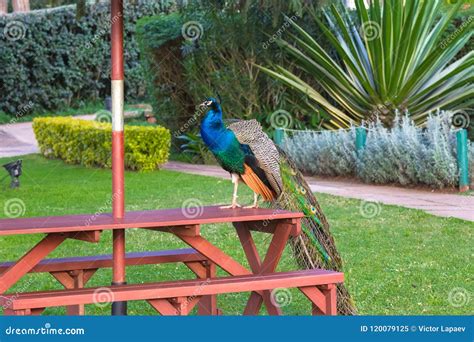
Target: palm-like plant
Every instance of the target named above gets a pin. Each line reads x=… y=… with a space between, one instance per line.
x=392 y=57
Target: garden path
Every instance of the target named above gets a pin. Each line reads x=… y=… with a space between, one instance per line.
x=18 y=139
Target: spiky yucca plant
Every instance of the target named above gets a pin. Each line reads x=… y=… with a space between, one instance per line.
x=392 y=57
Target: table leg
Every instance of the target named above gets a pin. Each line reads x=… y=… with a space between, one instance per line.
x=228 y=264
x=118 y=269
x=205 y=270
x=269 y=264
x=215 y=255
x=30 y=260
x=74 y=280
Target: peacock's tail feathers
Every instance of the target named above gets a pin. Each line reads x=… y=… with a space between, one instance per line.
x=315 y=247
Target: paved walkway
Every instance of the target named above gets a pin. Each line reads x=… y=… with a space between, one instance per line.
x=18 y=139
x=436 y=203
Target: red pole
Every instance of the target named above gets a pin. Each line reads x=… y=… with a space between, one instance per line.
x=118 y=190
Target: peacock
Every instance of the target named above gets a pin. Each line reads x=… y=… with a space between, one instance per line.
x=244 y=150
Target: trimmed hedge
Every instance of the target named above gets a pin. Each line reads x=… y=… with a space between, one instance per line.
x=89 y=143
x=52 y=59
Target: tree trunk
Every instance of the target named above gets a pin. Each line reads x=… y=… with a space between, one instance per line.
x=21 y=5
x=3 y=7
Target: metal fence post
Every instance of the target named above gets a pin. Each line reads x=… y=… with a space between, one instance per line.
x=463 y=165
x=278 y=136
x=361 y=138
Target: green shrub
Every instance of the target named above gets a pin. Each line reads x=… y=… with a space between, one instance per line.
x=403 y=67
x=89 y=143
x=470 y=157
x=159 y=38
x=229 y=39
x=57 y=61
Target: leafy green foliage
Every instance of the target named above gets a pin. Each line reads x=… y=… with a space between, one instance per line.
x=392 y=57
x=194 y=146
x=160 y=44
x=57 y=61
x=89 y=143
x=231 y=37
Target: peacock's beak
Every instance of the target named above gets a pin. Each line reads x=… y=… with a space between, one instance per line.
x=205 y=104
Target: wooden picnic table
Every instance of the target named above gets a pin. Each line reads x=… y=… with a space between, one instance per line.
x=186 y=226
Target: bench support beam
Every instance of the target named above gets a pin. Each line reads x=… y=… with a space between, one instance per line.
x=30 y=260
x=207 y=306
x=277 y=245
x=76 y=279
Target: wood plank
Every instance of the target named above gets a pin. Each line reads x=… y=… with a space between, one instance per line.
x=105 y=260
x=164 y=307
x=182 y=288
x=188 y=230
x=215 y=255
x=268 y=226
x=277 y=245
x=139 y=219
x=17 y=270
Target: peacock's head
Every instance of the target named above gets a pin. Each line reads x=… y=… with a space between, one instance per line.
x=212 y=103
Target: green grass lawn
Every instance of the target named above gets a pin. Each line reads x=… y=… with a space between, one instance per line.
x=400 y=262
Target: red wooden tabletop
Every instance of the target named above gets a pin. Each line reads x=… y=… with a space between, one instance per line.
x=139 y=219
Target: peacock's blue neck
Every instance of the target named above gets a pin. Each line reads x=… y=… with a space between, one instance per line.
x=214 y=132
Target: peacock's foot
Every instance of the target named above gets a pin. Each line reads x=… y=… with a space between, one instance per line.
x=232 y=206
x=252 y=206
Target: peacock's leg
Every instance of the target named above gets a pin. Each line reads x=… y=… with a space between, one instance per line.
x=255 y=202
x=235 y=180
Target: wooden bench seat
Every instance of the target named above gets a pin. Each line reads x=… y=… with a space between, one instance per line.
x=105 y=260
x=179 y=297
x=75 y=272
